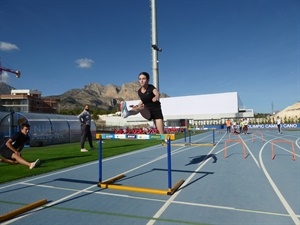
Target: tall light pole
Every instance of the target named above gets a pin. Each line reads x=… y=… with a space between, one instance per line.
x=154 y=46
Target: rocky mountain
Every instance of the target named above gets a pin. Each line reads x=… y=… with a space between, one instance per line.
x=292 y=111
x=5 y=88
x=100 y=96
x=96 y=95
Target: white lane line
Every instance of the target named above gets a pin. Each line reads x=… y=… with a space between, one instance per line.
x=161 y=200
x=230 y=208
x=181 y=149
x=48 y=175
x=277 y=191
x=250 y=152
x=171 y=199
x=49 y=204
x=77 y=167
x=296 y=142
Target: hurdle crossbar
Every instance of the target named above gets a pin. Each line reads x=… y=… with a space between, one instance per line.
x=190 y=144
x=22 y=210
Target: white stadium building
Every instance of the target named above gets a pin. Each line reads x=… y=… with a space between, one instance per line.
x=195 y=109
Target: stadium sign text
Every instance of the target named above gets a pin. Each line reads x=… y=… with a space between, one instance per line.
x=274 y=126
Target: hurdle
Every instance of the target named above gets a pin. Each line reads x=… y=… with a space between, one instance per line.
x=109 y=183
x=260 y=134
x=198 y=144
x=22 y=210
x=285 y=141
x=231 y=140
x=189 y=142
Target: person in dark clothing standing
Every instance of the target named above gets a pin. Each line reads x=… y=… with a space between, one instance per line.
x=85 y=120
x=149 y=106
x=11 y=149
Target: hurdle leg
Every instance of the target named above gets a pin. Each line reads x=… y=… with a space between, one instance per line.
x=100 y=158
x=169 y=165
x=21 y=210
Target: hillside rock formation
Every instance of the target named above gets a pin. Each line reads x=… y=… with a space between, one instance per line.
x=100 y=96
x=5 y=88
x=292 y=111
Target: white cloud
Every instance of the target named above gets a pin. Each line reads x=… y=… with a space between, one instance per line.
x=84 y=63
x=5 y=46
x=5 y=77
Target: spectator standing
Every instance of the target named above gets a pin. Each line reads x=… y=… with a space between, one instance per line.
x=279 y=125
x=241 y=125
x=85 y=121
x=245 y=126
x=228 y=126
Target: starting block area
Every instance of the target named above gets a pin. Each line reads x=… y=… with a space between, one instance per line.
x=110 y=183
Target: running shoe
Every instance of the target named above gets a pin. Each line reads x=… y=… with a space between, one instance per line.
x=124 y=110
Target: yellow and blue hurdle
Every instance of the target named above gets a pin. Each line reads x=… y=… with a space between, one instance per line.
x=197 y=144
x=109 y=183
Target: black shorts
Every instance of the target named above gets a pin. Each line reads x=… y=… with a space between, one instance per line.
x=155 y=113
x=6 y=153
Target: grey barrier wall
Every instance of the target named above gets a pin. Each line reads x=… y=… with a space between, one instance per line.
x=45 y=129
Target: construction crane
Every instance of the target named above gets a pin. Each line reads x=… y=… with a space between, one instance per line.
x=16 y=72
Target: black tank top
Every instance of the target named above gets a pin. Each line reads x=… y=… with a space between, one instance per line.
x=147 y=97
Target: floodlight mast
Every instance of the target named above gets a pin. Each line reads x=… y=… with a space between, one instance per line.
x=155 y=48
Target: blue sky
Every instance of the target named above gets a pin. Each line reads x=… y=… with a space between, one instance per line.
x=208 y=46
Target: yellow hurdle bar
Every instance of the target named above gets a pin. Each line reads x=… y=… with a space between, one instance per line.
x=141 y=189
x=21 y=210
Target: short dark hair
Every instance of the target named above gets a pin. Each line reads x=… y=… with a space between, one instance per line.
x=25 y=125
x=145 y=74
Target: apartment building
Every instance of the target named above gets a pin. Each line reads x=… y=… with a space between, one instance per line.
x=25 y=100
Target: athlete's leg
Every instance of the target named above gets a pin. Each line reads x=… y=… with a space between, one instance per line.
x=159 y=124
x=8 y=161
x=83 y=136
x=145 y=112
x=20 y=160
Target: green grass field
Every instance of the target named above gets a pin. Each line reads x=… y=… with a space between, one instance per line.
x=57 y=157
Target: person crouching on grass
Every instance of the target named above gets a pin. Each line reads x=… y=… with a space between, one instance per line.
x=11 y=149
x=149 y=106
